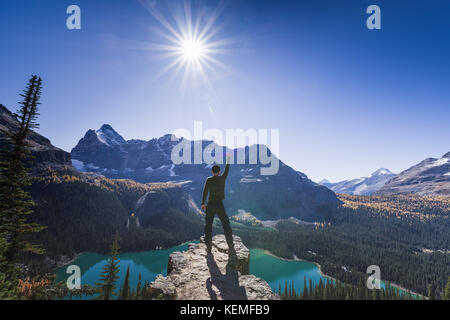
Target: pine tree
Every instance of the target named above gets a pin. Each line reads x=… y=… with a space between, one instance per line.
x=305 y=289
x=15 y=202
x=5 y=283
x=109 y=276
x=125 y=292
x=139 y=288
x=447 y=290
x=430 y=292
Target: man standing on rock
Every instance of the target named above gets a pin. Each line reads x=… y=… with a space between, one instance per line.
x=215 y=186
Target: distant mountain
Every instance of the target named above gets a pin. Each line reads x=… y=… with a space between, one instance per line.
x=285 y=194
x=45 y=154
x=429 y=177
x=363 y=185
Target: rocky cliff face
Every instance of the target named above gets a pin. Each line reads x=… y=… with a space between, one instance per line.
x=286 y=194
x=163 y=201
x=194 y=275
x=429 y=177
x=45 y=154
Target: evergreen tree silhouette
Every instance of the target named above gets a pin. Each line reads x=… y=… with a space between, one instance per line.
x=125 y=293
x=15 y=202
x=109 y=275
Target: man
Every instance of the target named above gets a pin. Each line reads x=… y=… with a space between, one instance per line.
x=215 y=186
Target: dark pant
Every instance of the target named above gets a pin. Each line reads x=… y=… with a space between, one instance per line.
x=211 y=210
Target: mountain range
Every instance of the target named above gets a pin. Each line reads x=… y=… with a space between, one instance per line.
x=286 y=194
x=363 y=185
x=429 y=177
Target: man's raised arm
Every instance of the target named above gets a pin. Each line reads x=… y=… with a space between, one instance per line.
x=227 y=168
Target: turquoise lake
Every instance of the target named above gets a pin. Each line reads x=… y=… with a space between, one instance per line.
x=151 y=263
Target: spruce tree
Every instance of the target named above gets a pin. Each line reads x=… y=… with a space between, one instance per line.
x=305 y=289
x=15 y=202
x=5 y=283
x=109 y=276
x=430 y=292
x=447 y=290
x=139 y=288
x=125 y=292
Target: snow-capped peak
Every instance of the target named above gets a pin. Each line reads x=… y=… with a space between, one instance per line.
x=381 y=171
x=107 y=135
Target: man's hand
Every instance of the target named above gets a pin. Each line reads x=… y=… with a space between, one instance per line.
x=203 y=207
x=228 y=158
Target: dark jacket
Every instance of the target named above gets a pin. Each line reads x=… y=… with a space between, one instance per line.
x=215 y=186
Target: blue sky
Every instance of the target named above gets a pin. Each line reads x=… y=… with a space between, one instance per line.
x=347 y=100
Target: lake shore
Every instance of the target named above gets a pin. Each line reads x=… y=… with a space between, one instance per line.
x=63 y=261
x=407 y=290
x=334 y=279
x=302 y=260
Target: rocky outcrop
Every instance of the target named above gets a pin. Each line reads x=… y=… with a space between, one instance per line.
x=194 y=275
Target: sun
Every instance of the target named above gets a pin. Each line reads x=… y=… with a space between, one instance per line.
x=191 y=44
x=192 y=50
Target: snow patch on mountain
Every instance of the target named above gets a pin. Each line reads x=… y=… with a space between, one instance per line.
x=107 y=135
x=171 y=172
x=79 y=165
x=438 y=162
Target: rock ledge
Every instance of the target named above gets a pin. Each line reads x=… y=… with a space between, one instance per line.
x=194 y=275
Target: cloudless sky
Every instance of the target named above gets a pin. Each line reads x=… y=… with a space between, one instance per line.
x=347 y=100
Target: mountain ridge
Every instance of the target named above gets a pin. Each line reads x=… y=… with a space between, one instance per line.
x=43 y=152
x=363 y=185
x=285 y=194
x=429 y=177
